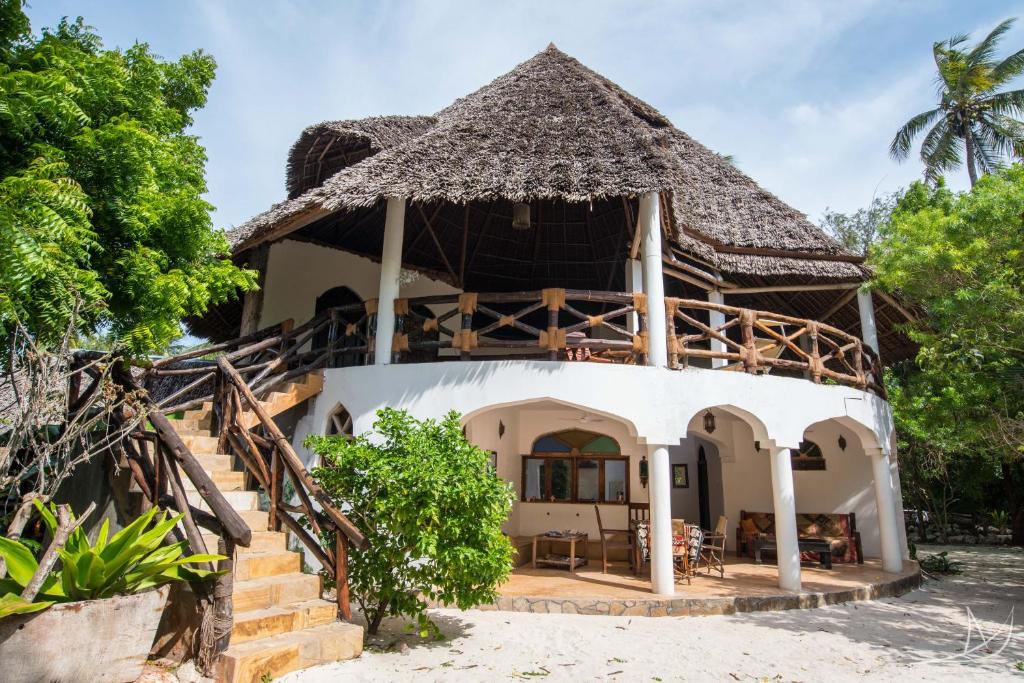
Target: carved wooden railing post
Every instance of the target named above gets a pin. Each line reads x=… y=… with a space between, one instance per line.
x=276 y=484
x=341 y=575
x=750 y=352
x=816 y=365
x=400 y=342
x=554 y=299
x=467 y=307
x=670 y=331
x=371 y=330
x=332 y=338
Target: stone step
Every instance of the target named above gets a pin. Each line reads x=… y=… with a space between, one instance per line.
x=257 y=565
x=270 y=621
x=225 y=480
x=275 y=590
x=256 y=519
x=200 y=444
x=184 y=425
x=240 y=500
x=256 y=660
x=262 y=541
x=216 y=462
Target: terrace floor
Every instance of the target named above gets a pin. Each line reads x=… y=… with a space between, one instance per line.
x=746 y=587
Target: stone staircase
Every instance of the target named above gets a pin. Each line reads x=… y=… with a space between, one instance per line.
x=281 y=623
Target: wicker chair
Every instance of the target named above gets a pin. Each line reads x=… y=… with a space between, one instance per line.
x=712 y=550
x=609 y=542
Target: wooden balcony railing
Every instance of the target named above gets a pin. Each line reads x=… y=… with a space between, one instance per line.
x=762 y=341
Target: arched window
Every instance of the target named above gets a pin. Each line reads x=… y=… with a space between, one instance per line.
x=339 y=423
x=575 y=466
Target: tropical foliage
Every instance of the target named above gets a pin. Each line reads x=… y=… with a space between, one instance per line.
x=973 y=116
x=101 y=188
x=857 y=231
x=960 y=407
x=133 y=560
x=431 y=508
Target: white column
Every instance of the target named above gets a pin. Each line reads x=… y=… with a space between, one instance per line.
x=717 y=319
x=390 y=270
x=868 y=330
x=634 y=283
x=897 y=490
x=785 y=519
x=892 y=558
x=662 y=577
x=654 y=282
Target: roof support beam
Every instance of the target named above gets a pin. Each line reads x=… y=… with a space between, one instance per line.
x=792 y=288
x=298 y=221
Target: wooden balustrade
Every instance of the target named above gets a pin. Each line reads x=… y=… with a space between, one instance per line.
x=757 y=342
x=551 y=323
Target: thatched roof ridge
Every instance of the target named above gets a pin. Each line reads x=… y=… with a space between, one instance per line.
x=325 y=148
x=550 y=128
x=554 y=129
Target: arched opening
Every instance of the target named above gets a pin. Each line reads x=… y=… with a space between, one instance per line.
x=332 y=298
x=339 y=422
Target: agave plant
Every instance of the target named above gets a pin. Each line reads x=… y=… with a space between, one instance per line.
x=131 y=561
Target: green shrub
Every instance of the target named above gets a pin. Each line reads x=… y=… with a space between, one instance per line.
x=131 y=561
x=940 y=564
x=431 y=509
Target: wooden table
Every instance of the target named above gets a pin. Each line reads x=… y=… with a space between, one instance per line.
x=808 y=545
x=571 y=539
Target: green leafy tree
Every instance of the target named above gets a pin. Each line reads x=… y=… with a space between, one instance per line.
x=960 y=257
x=431 y=509
x=973 y=115
x=857 y=231
x=101 y=207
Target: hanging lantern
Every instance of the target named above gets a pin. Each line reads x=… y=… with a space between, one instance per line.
x=842 y=442
x=643 y=471
x=520 y=216
x=709 y=422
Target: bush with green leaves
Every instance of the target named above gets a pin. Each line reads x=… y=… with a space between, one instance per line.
x=431 y=508
x=940 y=564
x=133 y=560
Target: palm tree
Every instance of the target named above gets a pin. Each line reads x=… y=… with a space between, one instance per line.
x=971 y=113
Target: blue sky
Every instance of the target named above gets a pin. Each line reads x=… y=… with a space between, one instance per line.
x=805 y=94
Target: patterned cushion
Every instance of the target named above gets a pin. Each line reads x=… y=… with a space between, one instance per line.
x=834 y=528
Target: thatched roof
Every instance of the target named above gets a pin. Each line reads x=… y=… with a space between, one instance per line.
x=551 y=129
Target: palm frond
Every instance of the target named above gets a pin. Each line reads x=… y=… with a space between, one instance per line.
x=899 y=149
x=1009 y=68
x=986 y=155
x=1008 y=103
x=1005 y=135
x=983 y=52
x=940 y=150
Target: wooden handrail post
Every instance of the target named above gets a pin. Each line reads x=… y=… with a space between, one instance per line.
x=291 y=460
x=332 y=338
x=670 y=331
x=276 y=484
x=747 y=319
x=341 y=575
x=816 y=366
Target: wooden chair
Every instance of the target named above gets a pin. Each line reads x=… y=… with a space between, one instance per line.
x=609 y=542
x=687 y=540
x=712 y=550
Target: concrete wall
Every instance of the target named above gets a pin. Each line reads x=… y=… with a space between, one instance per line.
x=299 y=272
x=686 y=502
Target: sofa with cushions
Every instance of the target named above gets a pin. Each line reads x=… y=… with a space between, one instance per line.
x=839 y=529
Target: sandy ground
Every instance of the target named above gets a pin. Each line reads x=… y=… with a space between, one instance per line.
x=918 y=636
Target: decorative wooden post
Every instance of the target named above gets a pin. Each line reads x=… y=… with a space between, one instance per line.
x=276 y=486
x=747 y=320
x=341 y=575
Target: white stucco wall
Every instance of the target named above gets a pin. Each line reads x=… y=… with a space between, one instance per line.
x=299 y=272
x=640 y=406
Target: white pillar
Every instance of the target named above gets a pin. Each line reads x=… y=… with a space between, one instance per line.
x=390 y=270
x=785 y=519
x=717 y=319
x=868 y=330
x=634 y=283
x=662 y=577
x=897 y=490
x=892 y=558
x=654 y=282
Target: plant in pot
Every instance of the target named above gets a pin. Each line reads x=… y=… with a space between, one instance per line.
x=95 y=615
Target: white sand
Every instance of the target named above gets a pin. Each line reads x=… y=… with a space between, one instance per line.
x=882 y=640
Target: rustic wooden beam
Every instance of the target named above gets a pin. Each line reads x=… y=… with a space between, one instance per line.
x=233 y=523
x=794 y=288
x=911 y=318
x=252 y=304
x=291 y=459
x=838 y=305
x=297 y=221
x=437 y=242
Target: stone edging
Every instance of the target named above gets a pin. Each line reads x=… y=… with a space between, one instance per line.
x=694 y=607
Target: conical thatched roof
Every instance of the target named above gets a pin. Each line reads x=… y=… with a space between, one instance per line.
x=552 y=129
